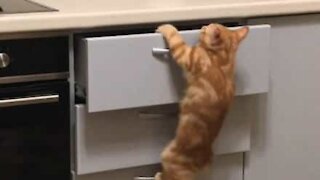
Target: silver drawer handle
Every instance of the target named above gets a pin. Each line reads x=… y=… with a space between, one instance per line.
x=144 y=178
x=149 y=115
x=29 y=100
x=4 y=60
x=160 y=51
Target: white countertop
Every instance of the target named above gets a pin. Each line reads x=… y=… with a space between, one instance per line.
x=79 y=14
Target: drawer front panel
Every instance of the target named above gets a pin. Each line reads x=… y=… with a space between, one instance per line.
x=121 y=72
x=229 y=167
x=120 y=139
x=135 y=137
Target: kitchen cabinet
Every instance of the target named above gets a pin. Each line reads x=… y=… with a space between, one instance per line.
x=130 y=94
x=285 y=142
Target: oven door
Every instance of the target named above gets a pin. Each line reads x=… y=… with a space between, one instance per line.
x=34 y=132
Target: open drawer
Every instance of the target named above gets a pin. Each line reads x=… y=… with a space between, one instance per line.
x=120 y=72
x=134 y=137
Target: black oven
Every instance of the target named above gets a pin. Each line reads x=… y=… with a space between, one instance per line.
x=34 y=110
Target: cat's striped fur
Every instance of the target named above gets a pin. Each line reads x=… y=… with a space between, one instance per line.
x=209 y=69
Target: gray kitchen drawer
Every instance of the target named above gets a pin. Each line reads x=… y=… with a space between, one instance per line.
x=134 y=137
x=228 y=167
x=121 y=72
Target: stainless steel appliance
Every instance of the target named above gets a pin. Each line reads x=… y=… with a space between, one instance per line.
x=22 y=6
x=34 y=109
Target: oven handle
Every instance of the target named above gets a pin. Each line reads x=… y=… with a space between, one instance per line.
x=29 y=100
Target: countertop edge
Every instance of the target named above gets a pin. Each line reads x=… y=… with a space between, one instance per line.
x=78 y=21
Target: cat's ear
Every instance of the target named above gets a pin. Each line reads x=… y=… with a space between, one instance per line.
x=242 y=33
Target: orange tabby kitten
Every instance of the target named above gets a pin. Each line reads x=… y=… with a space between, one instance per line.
x=209 y=69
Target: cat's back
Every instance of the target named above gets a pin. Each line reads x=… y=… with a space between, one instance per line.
x=209 y=88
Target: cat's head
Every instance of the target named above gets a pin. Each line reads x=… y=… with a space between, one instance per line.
x=216 y=37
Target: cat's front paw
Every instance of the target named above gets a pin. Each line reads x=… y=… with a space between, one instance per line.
x=166 y=29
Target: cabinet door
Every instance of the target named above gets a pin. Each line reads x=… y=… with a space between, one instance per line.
x=286 y=142
x=120 y=72
x=226 y=167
